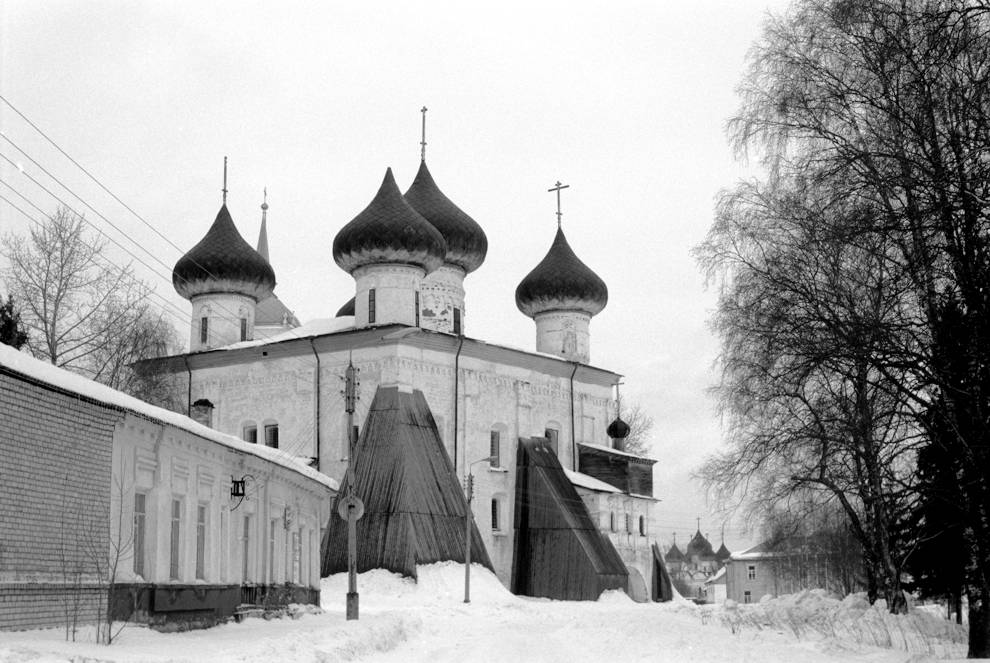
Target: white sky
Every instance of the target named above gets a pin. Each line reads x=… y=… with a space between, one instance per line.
x=626 y=104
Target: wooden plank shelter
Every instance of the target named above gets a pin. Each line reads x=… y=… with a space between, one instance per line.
x=661 y=590
x=559 y=552
x=414 y=507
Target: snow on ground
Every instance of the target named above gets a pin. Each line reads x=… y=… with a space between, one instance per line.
x=409 y=622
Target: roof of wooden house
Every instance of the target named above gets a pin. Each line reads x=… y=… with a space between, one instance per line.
x=559 y=552
x=414 y=507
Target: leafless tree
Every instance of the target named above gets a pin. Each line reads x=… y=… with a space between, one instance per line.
x=81 y=313
x=640 y=439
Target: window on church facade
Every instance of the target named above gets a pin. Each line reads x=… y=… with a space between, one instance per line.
x=553 y=435
x=496 y=443
x=271 y=436
x=250 y=434
x=417 y=308
x=140 y=515
x=611 y=521
x=174 y=543
x=204 y=329
x=244 y=329
x=642 y=526
x=495 y=523
x=371 y=306
x=457 y=321
x=628 y=524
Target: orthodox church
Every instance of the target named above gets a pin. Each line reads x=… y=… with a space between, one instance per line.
x=559 y=508
x=693 y=570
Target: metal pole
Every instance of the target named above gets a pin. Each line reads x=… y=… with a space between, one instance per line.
x=467 y=538
x=350 y=393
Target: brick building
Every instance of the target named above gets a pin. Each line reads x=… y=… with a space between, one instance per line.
x=104 y=497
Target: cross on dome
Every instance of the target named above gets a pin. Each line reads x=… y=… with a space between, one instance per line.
x=558 y=189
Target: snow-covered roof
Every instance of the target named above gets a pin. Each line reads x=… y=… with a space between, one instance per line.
x=718 y=576
x=57 y=377
x=600 y=447
x=759 y=551
x=317 y=327
x=589 y=482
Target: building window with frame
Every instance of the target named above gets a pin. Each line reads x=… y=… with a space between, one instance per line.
x=271 y=436
x=457 y=321
x=140 y=520
x=611 y=521
x=246 y=550
x=553 y=435
x=751 y=572
x=642 y=526
x=204 y=330
x=628 y=524
x=371 y=306
x=747 y=596
x=175 y=534
x=417 y=308
x=495 y=523
x=495 y=449
x=201 y=542
x=250 y=434
x=244 y=329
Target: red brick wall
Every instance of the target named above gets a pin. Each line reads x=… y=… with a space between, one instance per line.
x=55 y=458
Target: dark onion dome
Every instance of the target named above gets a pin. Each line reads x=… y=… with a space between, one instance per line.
x=722 y=554
x=561 y=282
x=223 y=262
x=675 y=554
x=700 y=546
x=467 y=245
x=347 y=308
x=389 y=230
x=618 y=429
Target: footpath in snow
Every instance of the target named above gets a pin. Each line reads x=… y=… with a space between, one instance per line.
x=402 y=621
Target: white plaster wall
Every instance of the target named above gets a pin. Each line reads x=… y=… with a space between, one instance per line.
x=441 y=291
x=166 y=463
x=224 y=311
x=565 y=334
x=395 y=293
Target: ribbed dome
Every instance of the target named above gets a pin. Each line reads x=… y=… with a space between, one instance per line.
x=700 y=546
x=389 y=230
x=347 y=308
x=223 y=262
x=618 y=429
x=466 y=241
x=561 y=282
x=723 y=553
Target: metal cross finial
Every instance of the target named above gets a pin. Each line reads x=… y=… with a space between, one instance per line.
x=224 y=181
x=422 y=143
x=558 y=188
x=699 y=523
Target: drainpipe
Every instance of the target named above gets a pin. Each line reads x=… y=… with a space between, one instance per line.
x=189 y=393
x=317 y=355
x=574 y=458
x=457 y=364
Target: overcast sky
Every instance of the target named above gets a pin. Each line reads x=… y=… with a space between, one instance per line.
x=625 y=102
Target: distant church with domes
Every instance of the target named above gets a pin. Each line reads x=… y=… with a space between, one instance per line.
x=559 y=508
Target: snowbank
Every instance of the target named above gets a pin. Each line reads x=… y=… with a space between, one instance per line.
x=815 y=615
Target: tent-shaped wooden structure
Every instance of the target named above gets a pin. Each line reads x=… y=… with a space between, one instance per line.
x=414 y=506
x=661 y=590
x=559 y=552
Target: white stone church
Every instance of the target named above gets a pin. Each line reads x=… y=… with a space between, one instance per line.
x=255 y=372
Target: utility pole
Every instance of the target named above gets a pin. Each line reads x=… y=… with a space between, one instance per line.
x=468 y=519
x=351 y=508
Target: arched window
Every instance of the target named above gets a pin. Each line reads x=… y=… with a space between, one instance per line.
x=496 y=525
x=249 y=432
x=271 y=434
x=642 y=526
x=611 y=521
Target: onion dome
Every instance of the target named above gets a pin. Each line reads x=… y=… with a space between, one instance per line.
x=700 y=546
x=223 y=262
x=722 y=554
x=466 y=241
x=618 y=429
x=674 y=554
x=561 y=282
x=346 y=309
x=389 y=230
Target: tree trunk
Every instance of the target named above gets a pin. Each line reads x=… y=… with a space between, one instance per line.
x=979 y=623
